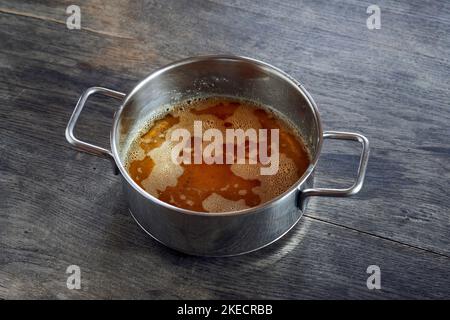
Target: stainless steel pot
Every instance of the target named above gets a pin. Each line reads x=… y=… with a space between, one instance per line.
x=217 y=234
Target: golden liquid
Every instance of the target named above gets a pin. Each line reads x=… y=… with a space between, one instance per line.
x=215 y=187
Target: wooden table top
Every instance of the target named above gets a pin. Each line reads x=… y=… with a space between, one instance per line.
x=60 y=207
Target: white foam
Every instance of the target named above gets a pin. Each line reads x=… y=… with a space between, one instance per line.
x=217 y=203
x=165 y=172
x=271 y=185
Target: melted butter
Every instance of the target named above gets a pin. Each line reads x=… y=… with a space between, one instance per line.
x=215 y=187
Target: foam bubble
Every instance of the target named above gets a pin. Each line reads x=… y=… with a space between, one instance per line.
x=271 y=185
x=165 y=173
x=217 y=203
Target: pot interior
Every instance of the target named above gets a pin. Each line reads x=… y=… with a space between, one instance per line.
x=212 y=76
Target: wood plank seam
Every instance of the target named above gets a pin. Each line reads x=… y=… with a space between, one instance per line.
x=47 y=19
x=377 y=236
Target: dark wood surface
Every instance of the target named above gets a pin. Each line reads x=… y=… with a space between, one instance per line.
x=59 y=207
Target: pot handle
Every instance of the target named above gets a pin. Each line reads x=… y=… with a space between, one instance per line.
x=85 y=146
x=357 y=185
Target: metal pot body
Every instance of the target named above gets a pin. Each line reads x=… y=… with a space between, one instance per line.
x=215 y=235
x=229 y=233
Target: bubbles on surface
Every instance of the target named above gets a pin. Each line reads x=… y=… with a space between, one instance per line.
x=165 y=175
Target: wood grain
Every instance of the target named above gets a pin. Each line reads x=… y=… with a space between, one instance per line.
x=59 y=207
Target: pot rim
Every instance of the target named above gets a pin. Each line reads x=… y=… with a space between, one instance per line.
x=274 y=70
